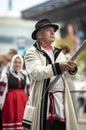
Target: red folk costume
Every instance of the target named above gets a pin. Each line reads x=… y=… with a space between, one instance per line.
x=17 y=85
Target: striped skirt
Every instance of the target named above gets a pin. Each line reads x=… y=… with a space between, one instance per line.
x=13 y=109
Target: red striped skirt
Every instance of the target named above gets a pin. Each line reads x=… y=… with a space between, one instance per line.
x=13 y=109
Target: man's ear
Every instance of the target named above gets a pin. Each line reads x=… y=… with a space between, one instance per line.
x=39 y=35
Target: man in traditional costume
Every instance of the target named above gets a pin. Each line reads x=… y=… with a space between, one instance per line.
x=52 y=103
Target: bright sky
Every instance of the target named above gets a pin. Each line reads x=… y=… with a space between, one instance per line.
x=18 y=5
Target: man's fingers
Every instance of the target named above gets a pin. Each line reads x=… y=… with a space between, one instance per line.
x=67 y=65
x=71 y=65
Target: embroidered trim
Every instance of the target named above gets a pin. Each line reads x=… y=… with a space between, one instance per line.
x=26 y=123
x=56 y=69
x=57 y=117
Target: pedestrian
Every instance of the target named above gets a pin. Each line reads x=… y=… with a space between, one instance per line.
x=16 y=84
x=52 y=104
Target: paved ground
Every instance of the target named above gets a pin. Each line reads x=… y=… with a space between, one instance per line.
x=82 y=120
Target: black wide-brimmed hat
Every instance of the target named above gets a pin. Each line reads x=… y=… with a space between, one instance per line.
x=41 y=24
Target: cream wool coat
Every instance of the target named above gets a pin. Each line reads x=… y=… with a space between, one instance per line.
x=36 y=67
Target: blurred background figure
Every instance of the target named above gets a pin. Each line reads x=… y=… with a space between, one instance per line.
x=81 y=98
x=81 y=101
x=69 y=37
x=66 y=51
x=4 y=61
x=17 y=87
x=72 y=30
x=12 y=52
x=7 y=60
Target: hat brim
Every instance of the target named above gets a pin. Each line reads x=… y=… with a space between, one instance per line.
x=51 y=25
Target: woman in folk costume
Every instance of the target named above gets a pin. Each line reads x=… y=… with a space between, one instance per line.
x=17 y=84
x=52 y=104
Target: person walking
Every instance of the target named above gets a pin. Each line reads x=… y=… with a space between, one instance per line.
x=16 y=86
x=54 y=108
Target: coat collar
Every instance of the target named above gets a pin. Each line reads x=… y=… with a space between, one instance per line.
x=56 y=51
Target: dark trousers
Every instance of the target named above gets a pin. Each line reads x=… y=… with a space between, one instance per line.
x=0 y=119
x=56 y=125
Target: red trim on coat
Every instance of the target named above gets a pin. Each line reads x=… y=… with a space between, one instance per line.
x=56 y=117
x=52 y=109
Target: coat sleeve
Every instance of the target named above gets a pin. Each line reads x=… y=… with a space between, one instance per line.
x=37 y=68
x=3 y=89
x=62 y=57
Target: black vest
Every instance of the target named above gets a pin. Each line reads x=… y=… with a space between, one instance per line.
x=13 y=82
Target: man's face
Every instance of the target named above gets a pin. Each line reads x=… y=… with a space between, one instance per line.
x=46 y=35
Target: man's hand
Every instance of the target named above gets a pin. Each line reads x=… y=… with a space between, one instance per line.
x=67 y=66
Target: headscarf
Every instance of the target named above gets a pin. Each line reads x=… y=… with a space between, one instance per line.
x=17 y=74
